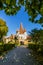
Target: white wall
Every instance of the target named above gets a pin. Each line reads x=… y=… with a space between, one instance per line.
x=22 y=36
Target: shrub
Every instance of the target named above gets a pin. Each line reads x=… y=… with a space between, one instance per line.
x=1 y=49
x=41 y=49
x=36 y=47
x=6 y=47
x=33 y=46
x=11 y=42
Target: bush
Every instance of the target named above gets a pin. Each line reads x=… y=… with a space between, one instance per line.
x=36 y=47
x=40 y=49
x=17 y=43
x=1 y=43
x=33 y=46
x=11 y=42
x=1 y=49
x=6 y=47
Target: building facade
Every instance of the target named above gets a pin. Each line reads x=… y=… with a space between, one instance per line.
x=21 y=35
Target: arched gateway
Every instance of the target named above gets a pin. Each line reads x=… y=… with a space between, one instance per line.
x=22 y=35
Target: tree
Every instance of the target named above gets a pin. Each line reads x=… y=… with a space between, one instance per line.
x=41 y=36
x=3 y=29
x=33 y=8
x=37 y=36
x=15 y=39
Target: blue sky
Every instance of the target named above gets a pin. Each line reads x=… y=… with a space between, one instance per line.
x=13 y=22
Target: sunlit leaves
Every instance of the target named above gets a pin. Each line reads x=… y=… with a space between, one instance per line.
x=8 y=2
x=33 y=7
x=12 y=11
x=2 y=23
x=3 y=28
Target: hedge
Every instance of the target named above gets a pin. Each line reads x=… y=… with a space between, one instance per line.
x=36 y=47
x=6 y=47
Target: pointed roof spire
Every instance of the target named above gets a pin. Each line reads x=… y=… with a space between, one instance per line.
x=21 y=30
x=21 y=27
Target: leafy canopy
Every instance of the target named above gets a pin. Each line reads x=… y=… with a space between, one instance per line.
x=33 y=8
x=3 y=28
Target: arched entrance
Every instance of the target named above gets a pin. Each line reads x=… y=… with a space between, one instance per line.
x=21 y=43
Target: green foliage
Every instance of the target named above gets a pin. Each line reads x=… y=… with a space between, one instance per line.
x=3 y=29
x=16 y=44
x=11 y=42
x=38 y=48
x=37 y=36
x=15 y=39
x=33 y=7
x=1 y=43
x=6 y=47
x=34 y=47
x=1 y=49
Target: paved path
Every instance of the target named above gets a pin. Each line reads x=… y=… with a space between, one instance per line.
x=18 y=56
